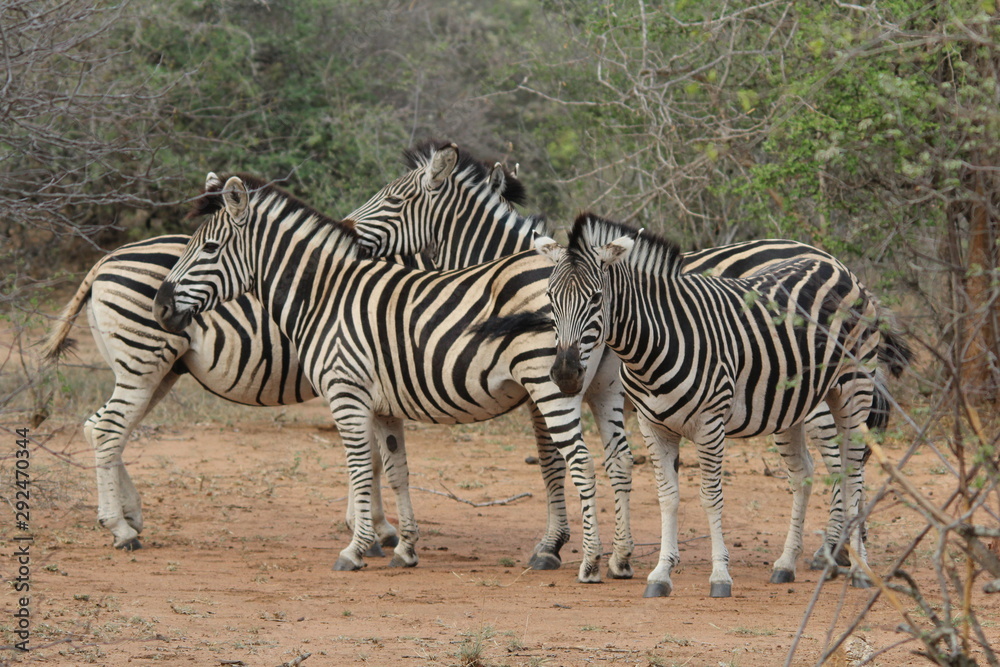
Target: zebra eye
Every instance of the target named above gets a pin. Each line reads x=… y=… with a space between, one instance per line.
x=394 y=200
x=210 y=248
x=596 y=297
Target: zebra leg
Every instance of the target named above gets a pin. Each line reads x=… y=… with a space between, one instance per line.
x=710 y=455
x=664 y=448
x=606 y=398
x=131 y=501
x=386 y=532
x=850 y=409
x=389 y=434
x=142 y=361
x=854 y=495
x=562 y=423
x=357 y=432
x=821 y=429
x=553 y=467
x=119 y=507
x=792 y=446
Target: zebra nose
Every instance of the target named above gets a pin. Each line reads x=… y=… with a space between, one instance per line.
x=163 y=309
x=567 y=371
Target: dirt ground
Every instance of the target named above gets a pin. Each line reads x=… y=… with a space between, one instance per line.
x=244 y=519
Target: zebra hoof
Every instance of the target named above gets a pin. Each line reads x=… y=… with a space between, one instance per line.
x=131 y=545
x=819 y=559
x=399 y=561
x=375 y=551
x=390 y=541
x=722 y=590
x=345 y=564
x=782 y=577
x=622 y=572
x=859 y=580
x=658 y=589
x=544 y=561
x=589 y=574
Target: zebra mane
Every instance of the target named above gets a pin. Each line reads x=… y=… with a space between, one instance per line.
x=651 y=253
x=260 y=189
x=537 y=223
x=419 y=156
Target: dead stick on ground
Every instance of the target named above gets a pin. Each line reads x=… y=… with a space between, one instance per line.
x=451 y=495
x=296 y=662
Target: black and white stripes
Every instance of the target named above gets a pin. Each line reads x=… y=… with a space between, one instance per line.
x=375 y=336
x=233 y=351
x=708 y=357
x=450 y=206
x=457 y=212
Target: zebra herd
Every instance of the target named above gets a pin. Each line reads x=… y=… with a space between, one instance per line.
x=270 y=302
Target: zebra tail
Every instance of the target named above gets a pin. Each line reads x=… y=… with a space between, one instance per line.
x=895 y=354
x=894 y=351
x=514 y=325
x=58 y=341
x=878 y=415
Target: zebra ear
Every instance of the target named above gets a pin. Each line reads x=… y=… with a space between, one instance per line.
x=497 y=178
x=236 y=198
x=615 y=251
x=212 y=182
x=441 y=165
x=549 y=248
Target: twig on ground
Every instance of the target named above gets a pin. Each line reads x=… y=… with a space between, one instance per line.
x=296 y=662
x=449 y=494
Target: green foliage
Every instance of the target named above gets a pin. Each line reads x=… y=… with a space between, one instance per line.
x=265 y=89
x=810 y=121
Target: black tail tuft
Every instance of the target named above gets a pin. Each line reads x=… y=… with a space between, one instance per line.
x=894 y=352
x=55 y=346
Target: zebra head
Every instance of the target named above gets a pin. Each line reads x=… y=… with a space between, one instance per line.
x=444 y=187
x=577 y=288
x=212 y=268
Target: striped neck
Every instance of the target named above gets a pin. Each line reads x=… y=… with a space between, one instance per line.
x=486 y=231
x=289 y=246
x=636 y=288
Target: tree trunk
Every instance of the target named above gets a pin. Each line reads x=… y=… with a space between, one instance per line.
x=980 y=373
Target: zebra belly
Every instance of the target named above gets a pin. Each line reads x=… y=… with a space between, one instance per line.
x=692 y=411
x=475 y=401
x=766 y=415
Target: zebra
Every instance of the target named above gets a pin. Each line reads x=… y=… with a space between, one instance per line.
x=118 y=293
x=454 y=211
x=707 y=357
x=457 y=211
x=312 y=277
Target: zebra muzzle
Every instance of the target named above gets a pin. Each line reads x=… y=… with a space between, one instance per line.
x=164 y=311
x=567 y=371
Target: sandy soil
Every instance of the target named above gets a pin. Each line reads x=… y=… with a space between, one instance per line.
x=244 y=519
